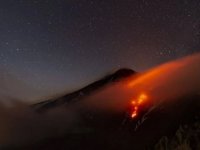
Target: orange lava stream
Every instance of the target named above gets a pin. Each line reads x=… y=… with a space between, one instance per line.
x=136 y=103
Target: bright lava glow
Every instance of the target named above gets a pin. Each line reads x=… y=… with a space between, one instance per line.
x=136 y=103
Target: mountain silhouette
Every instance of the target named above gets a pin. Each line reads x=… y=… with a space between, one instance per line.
x=85 y=91
x=108 y=128
x=108 y=131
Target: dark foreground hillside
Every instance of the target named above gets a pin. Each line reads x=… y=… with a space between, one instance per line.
x=187 y=137
x=171 y=126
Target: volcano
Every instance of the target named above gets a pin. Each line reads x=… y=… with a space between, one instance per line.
x=155 y=128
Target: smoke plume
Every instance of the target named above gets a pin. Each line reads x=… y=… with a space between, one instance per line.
x=166 y=82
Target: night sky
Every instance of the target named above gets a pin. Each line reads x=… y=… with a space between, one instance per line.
x=61 y=45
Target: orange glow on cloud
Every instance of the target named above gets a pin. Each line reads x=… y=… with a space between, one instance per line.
x=166 y=82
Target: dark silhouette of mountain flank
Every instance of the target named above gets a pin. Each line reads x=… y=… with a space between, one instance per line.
x=85 y=91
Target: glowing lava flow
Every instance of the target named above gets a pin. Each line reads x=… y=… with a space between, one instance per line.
x=136 y=103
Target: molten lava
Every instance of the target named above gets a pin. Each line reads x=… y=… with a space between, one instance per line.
x=137 y=103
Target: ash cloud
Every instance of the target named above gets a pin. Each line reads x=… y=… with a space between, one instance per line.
x=166 y=82
x=171 y=80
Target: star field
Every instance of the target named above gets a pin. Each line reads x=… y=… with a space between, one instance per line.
x=62 y=45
